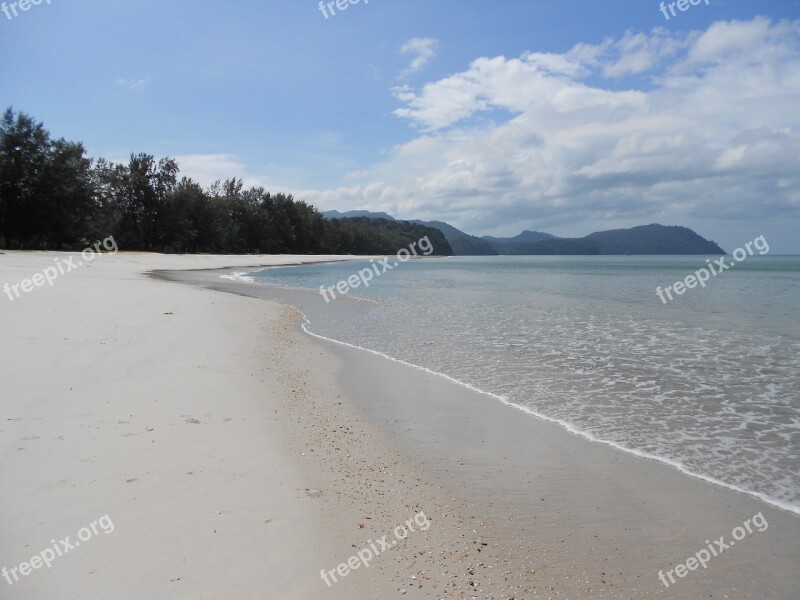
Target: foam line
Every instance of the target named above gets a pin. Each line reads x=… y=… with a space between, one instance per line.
x=781 y=504
x=565 y=425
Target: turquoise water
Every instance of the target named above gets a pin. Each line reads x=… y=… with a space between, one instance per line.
x=709 y=382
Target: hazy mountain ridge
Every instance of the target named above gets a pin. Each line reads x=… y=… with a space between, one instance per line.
x=525 y=236
x=463 y=244
x=353 y=214
x=508 y=245
x=653 y=239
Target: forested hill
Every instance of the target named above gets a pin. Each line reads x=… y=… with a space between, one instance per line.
x=645 y=239
x=652 y=239
x=462 y=243
x=54 y=197
x=388 y=234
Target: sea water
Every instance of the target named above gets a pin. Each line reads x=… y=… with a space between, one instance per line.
x=709 y=382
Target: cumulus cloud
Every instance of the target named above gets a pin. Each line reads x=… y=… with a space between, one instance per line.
x=690 y=128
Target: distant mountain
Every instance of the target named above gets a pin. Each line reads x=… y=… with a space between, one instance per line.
x=502 y=245
x=643 y=240
x=352 y=214
x=651 y=239
x=555 y=247
x=463 y=244
x=525 y=236
x=472 y=246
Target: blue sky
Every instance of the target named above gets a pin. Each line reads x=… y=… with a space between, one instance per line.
x=569 y=116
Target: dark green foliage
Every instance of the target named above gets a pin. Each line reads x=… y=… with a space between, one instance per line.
x=370 y=234
x=46 y=192
x=53 y=197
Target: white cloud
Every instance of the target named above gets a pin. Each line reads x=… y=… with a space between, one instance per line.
x=131 y=84
x=637 y=53
x=422 y=50
x=205 y=169
x=697 y=128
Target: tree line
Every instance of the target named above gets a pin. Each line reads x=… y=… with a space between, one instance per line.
x=54 y=197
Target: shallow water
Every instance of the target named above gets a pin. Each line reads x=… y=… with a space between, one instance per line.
x=709 y=382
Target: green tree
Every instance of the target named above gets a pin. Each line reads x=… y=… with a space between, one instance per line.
x=142 y=197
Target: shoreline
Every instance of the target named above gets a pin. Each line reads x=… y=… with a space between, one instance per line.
x=307 y=450
x=706 y=507
x=567 y=426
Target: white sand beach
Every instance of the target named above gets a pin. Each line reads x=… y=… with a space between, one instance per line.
x=218 y=440
x=208 y=431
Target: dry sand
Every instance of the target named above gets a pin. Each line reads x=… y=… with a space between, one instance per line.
x=214 y=437
x=154 y=404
